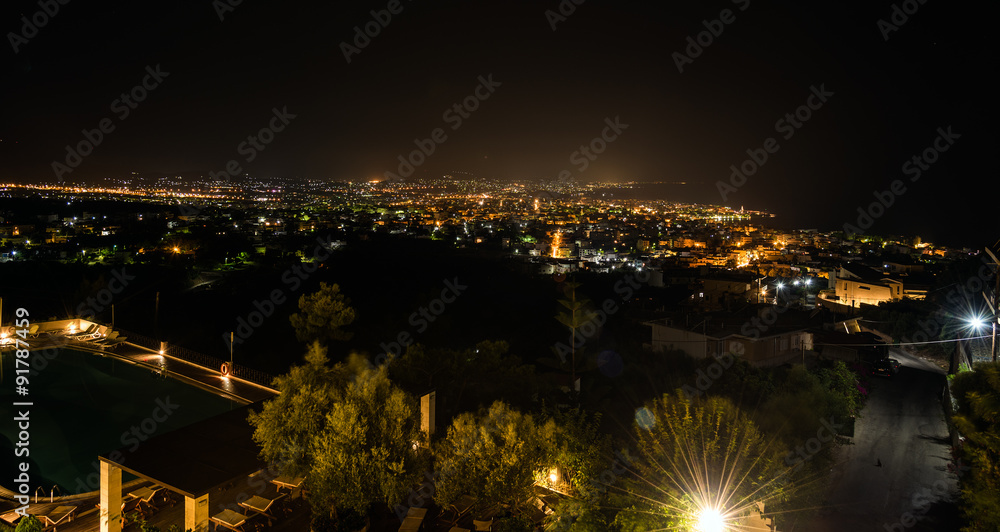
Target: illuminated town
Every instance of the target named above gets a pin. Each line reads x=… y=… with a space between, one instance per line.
x=519 y=266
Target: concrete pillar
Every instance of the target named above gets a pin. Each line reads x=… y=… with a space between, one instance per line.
x=195 y=513
x=428 y=406
x=111 y=498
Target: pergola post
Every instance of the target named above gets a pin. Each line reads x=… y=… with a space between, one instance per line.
x=195 y=513
x=111 y=498
x=428 y=414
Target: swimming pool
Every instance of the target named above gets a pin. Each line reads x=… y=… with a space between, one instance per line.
x=88 y=404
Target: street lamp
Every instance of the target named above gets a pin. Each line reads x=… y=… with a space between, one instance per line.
x=711 y=520
x=973 y=324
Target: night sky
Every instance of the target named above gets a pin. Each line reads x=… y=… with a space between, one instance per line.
x=556 y=89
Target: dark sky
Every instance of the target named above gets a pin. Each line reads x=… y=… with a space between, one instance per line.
x=605 y=60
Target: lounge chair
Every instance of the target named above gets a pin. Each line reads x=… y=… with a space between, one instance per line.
x=262 y=506
x=461 y=507
x=33 y=331
x=118 y=340
x=232 y=520
x=82 y=333
x=536 y=509
x=130 y=506
x=110 y=337
x=10 y=518
x=146 y=497
x=482 y=526
x=99 y=333
x=411 y=524
x=289 y=483
x=414 y=519
x=62 y=514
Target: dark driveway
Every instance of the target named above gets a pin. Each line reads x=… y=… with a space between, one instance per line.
x=902 y=428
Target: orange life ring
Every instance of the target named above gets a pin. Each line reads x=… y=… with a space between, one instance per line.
x=225 y=369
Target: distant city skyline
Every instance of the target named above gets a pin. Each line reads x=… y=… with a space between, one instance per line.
x=800 y=111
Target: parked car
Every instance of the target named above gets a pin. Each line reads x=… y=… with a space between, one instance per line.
x=883 y=368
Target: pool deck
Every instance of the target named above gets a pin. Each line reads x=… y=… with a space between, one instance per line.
x=294 y=518
x=205 y=378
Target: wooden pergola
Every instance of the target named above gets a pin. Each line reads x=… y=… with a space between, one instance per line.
x=191 y=461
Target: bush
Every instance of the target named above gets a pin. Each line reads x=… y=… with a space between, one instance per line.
x=514 y=523
x=29 y=523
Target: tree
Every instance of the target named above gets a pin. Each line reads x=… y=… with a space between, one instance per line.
x=807 y=401
x=845 y=385
x=368 y=450
x=575 y=515
x=322 y=315
x=977 y=417
x=346 y=428
x=285 y=427
x=695 y=455
x=493 y=456
x=579 y=449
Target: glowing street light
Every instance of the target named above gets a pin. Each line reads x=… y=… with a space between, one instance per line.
x=976 y=323
x=711 y=520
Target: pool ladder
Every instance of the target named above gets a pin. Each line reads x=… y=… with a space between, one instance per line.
x=52 y=492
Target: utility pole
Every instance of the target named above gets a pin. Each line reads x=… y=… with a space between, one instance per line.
x=992 y=301
x=156 y=316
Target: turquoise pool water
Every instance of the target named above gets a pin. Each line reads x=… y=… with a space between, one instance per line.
x=85 y=405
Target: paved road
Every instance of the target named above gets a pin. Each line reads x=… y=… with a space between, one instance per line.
x=903 y=427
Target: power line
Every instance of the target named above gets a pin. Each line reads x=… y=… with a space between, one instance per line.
x=908 y=343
